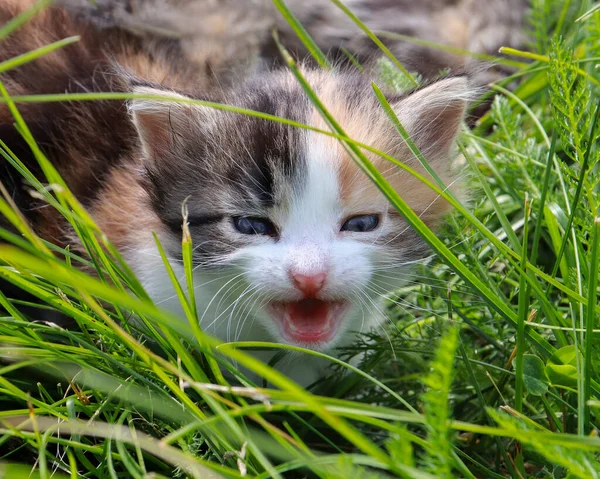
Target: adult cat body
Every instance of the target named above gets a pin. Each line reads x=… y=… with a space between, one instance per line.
x=291 y=241
x=229 y=36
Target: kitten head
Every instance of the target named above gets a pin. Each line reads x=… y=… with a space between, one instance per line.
x=290 y=237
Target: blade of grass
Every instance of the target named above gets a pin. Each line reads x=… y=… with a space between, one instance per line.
x=537 y=234
x=37 y=53
x=87 y=286
x=333 y=359
x=577 y=195
x=187 y=251
x=405 y=136
x=523 y=313
x=590 y=323
x=587 y=14
x=451 y=49
x=24 y=17
x=542 y=201
x=193 y=367
x=375 y=40
x=196 y=467
x=523 y=105
x=545 y=59
x=506 y=226
x=303 y=35
x=561 y=18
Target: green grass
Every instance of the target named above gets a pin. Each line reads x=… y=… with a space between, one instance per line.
x=490 y=366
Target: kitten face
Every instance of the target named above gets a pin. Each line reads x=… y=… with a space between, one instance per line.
x=290 y=237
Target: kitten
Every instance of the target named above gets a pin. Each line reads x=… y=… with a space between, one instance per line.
x=292 y=242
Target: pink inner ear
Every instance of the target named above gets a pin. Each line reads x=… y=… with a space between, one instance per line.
x=438 y=127
x=432 y=115
x=159 y=124
x=154 y=131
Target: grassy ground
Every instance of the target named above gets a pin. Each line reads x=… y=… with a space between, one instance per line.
x=491 y=367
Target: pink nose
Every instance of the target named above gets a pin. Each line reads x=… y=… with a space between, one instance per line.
x=309 y=284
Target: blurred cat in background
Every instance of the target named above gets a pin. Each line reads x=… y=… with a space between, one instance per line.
x=229 y=36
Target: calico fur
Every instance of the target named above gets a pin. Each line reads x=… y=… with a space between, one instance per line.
x=135 y=164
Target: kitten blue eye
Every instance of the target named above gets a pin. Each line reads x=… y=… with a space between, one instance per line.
x=361 y=223
x=248 y=225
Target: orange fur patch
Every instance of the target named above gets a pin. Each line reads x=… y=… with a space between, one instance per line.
x=372 y=127
x=123 y=212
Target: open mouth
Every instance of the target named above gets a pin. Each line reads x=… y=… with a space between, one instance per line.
x=308 y=320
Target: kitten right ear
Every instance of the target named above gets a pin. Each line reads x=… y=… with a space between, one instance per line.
x=159 y=122
x=432 y=115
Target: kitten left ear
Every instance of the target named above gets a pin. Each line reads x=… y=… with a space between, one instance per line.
x=433 y=115
x=160 y=122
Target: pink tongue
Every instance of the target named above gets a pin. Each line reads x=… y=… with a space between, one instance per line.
x=308 y=315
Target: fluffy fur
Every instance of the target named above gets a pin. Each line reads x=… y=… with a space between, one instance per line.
x=234 y=37
x=134 y=165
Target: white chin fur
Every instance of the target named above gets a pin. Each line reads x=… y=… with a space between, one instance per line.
x=221 y=321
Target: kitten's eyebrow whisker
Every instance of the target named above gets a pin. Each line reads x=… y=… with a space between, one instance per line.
x=408 y=227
